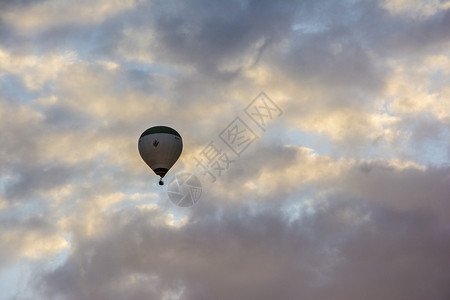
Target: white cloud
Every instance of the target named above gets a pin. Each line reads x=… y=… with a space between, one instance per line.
x=416 y=9
x=420 y=86
x=32 y=238
x=42 y=15
x=35 y=71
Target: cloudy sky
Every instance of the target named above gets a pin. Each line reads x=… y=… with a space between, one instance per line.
x=343 y=192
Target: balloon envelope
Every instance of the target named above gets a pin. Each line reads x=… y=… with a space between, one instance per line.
x=160 y=147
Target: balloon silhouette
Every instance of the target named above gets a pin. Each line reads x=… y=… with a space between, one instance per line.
x=160 y=147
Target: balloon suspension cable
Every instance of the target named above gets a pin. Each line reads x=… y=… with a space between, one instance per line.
x=161 y=182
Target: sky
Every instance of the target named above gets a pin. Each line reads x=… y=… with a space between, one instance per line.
x=330 y=121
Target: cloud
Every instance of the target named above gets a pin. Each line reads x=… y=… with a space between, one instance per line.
x=344 y=196
x=31 y=238
x=238 y=253
x=416 y=9
x=36 y=16
x=411 y=189
x=389 y=249
x=35 y=71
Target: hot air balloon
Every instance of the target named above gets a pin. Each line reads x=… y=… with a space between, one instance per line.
x=160 y=147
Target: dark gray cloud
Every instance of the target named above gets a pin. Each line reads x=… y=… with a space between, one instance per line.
x=347 y=249
x=384 y=252
x=408 y=36
x=209 y=34
x=409 y=189
x=344 y=48
x=326 y=49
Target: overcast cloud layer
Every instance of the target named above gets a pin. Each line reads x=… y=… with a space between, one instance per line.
x=344 y=194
